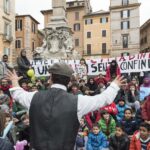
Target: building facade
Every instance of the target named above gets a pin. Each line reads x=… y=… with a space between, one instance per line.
x=125 y=27
x=145 y=37
x=7 y=29
x=97 y=34
x=75 y=10
x=27 y=35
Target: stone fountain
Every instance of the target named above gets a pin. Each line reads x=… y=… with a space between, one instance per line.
x=58 y=41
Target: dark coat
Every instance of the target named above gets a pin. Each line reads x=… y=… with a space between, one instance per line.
x=119 y=143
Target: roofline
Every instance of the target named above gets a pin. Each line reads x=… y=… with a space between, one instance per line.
x=28 y=16
x=145 y=24
x=97 y=14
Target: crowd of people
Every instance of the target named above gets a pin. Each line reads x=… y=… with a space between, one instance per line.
x=122 y=125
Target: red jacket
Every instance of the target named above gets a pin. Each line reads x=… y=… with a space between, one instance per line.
x=146 y=109
x=108 y=75
x=135 y=143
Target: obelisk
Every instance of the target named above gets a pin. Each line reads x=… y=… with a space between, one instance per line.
x=59 y=13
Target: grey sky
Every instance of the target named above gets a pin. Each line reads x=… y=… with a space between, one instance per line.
x=33 y=7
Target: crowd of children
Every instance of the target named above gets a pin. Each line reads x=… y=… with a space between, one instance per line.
x=122 y=125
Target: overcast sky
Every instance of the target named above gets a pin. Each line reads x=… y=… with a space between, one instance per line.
x=33 y=7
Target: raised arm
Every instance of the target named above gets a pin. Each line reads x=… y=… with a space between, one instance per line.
x=17 y=93
x=88 y=104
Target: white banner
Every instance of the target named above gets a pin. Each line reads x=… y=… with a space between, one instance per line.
x=128 y=64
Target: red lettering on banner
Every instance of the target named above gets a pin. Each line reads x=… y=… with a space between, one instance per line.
x=131 y=57
x=122 y=59
x=142 y=55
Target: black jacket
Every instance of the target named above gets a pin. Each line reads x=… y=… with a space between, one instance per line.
x=119 y=143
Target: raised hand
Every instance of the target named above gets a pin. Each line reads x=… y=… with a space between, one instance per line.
x=13 y=77
x=120 y=81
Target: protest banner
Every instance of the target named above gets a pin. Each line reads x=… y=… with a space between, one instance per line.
x=128 y=64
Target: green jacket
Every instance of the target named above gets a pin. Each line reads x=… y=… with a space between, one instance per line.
x=109 y=129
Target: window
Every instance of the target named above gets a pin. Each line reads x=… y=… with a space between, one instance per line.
x=141 y=41
x=125 y=2
x=89 y=21
x=18 y=43
x=19 y=25
x=103 y=48
x=88 y=34
x=77 y=27
x=88 y=49
x=125 y=41
x=7 y=30
x=76 y=42
x=33 y=46
x=33 y=27
x=103 y=33
x=125 y=25
x=7 y=6
x=71 y=4
x=76 y=15
x=125 y=14
x=6 y=51
x=104 y=20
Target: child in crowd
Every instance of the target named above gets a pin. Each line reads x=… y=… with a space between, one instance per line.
x=141 y=139
x=121 y=106
x=96 y=139
x=107 y=124
x=129 y=122
x=132 y=97
x=4 y=101
x=82 y=135
x=120 y=140
x=75 y=89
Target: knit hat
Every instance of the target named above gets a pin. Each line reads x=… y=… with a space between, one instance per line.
x=61 y=69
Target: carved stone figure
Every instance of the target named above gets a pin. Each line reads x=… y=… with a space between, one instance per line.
x=58 y=41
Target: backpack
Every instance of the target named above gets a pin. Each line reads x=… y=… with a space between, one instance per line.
x=80 y=142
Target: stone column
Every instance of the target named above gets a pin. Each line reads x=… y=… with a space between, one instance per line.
x=59 y=13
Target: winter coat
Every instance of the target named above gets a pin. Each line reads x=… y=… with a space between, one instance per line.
x=111 y=109
x=119 y=143
x=97 y=142
x=135 y=143
x=108 y=75
x=107 y=129
x=129 y=125
x=146 y=109
x=121 y=110
x=92 y=117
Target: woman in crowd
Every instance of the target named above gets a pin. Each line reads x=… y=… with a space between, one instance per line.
x=91 y=84
x=112 y=71
x=23 y=64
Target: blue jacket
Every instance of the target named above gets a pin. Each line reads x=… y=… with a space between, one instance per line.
x=121 y=110
x=97 y=142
